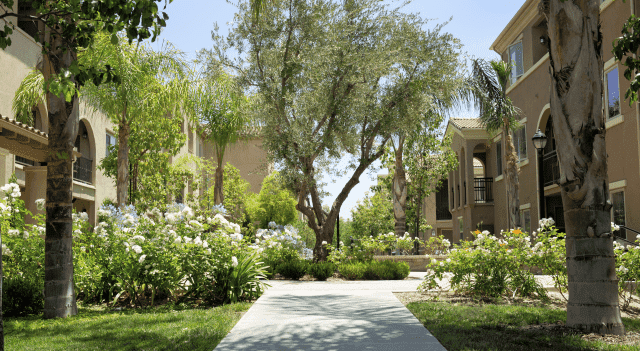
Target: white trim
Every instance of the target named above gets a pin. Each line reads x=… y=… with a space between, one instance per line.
x=609 y=64
x=611 y=122
x=525 y=206
x=617 y=185
x=523 y=162
x=498 y=178
x=528 y=73
x=544 y=109
x=606 y=4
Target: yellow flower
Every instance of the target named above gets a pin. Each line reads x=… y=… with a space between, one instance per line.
x=476 y=232
x=517 y=231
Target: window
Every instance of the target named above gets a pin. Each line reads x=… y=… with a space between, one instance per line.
x=515 y=59
x=618 y=213
x=525 y=218
x=499 y=158
x=612 y=95
x=110 y=144
x=520 y=143
x=461 y=227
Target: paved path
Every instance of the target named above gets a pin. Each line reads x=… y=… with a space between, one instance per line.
x=324 y=316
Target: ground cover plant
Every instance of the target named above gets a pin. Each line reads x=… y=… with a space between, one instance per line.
x=168 y=327
x=500 y=324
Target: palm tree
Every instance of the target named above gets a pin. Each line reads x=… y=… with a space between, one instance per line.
x=151 y=86
x=497 y=113
x=217 y=102
x=575 y=55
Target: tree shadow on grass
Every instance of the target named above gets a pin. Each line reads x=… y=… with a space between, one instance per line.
x=129 y=330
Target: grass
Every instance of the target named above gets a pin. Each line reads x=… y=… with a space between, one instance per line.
x=96 y=328
x=506 y=327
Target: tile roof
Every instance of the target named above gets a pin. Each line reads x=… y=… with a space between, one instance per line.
x=24 y=126
x=467 y=123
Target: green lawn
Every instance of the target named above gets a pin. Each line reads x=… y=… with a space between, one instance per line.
x=504 y=327
x=161 y=328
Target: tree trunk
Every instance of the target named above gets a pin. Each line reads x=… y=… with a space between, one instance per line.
x=60 y=298
x=399 y=192
x=124 y=130
x=578 y=123
x=218 y=195
x=513 y=185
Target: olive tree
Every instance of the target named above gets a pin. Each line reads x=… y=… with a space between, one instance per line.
x=335 y=79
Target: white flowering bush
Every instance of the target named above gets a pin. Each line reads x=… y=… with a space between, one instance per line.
x=488 y=266
x=171 y=254
x=22 y=254
x=628 y=271
x=279 y=244
x=436 y=245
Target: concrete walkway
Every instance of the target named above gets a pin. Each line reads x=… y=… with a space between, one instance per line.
x=324 y=316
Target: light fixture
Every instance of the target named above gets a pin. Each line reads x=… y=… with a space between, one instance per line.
x=539 y=140
x=85 y=135
x=542 y=39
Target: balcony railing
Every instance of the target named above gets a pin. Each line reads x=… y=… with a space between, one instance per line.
x=483 y=190
x=83 y=170
x=443 y=214
x=551 y=168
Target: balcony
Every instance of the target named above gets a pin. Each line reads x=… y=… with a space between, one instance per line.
x=83 y=170
x=483 y=190
x=551 y=168
x=443 y=214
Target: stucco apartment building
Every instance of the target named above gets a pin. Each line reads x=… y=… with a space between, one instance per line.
x=23 y=148
x=474 y=196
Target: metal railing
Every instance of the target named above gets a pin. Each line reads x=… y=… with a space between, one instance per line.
x=551 y=168
x=483 y=190
x=83 y=170
x=442 y=213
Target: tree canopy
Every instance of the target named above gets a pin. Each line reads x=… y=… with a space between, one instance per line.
x=336 y=79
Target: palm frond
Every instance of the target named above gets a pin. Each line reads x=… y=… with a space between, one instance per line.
x=29 y=94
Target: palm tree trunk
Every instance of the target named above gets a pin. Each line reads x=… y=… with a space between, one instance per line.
x=60 y=299
x=578 y=121
x=400 y=192
x=512 y=179
x=218 y=194
x=124 y=131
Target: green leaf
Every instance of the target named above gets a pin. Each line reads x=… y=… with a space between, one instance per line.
x=114 y=39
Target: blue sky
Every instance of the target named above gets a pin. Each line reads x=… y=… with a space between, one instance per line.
x=477 y=23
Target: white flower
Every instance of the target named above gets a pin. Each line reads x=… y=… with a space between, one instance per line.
x=209 y=251
x=234 y=261
x=197 y=241
x=178 y=240
x=446 y=243
x=141 y=259
x=205 y=244
x=434 y=261
x=84 y=216
x=272 y=224
x=77 y=232
x=324 y=243
x=136 y=248
x=441 y=263
x=40 y=204
x=187 y=212
x=138 y=237
x=622 y=269
x=187 y=240
x=25 y=234
x=14 y=232
x=448 y=260
x=486 y=232
x=5 y=250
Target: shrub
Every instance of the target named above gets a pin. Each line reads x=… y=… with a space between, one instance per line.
x=21 y=296
x=490 y=266
x=294 y=269
x=375 y=270
x=322 y=270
